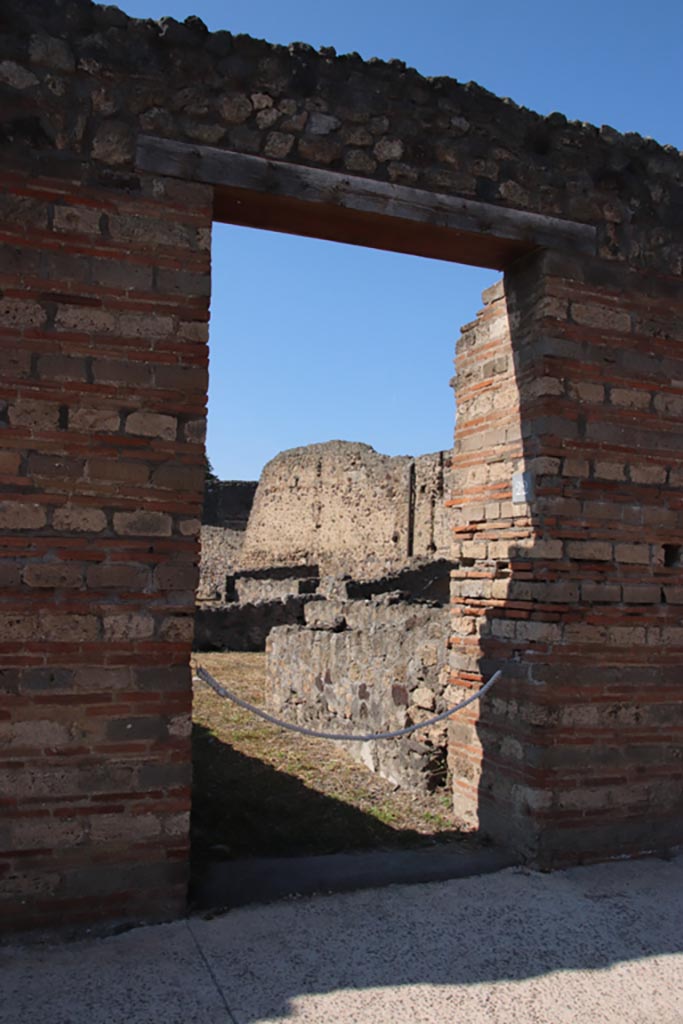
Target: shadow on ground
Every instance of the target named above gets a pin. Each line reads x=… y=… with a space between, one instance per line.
x=600 y=943
x=260 y=834
x=242 y=807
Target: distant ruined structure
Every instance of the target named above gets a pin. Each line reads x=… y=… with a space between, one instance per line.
x=225 y=514
x=340 y=572
x=348 y=509
x=123 y=140
x=339 y=506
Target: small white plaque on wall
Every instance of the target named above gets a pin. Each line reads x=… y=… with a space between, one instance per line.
x=523 y=489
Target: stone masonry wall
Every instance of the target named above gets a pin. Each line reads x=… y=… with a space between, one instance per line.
x=225 y=513
x=104 y=313
x=104 y=302
x=227 y=503
x=245 y=626
x=576 y=588
x=220 y=551
x=367 y=666
x=348 y=509
x=80 y=80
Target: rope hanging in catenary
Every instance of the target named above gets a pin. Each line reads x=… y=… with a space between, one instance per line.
x=221 y=690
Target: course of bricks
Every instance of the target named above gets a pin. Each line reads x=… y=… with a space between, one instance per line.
x=577 y=587
x=104 y=325
x=570 y=392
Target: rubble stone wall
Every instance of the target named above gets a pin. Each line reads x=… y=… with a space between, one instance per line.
x=83 y=81
x=220 y=553
x=348 y=509
x=245 y=627
x=225 y=514
x=367 y=666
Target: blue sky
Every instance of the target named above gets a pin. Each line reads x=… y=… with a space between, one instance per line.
x=312 y=340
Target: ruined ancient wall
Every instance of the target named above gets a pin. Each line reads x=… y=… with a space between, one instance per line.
x=348 y=509
x=103 y=316
x=245 y=626
x=227 y=503
x=225 y=514
x=220 y=551
x=81 y=81
x=364 y=666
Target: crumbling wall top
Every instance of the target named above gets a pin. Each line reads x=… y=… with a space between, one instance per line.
x=83 y=81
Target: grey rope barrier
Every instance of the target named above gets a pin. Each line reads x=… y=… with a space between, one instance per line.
x=222 y=691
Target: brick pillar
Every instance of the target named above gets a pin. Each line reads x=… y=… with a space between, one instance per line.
x=568 y=516
x=104 y=315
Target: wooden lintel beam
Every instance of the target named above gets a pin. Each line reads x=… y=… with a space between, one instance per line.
x=326 y=204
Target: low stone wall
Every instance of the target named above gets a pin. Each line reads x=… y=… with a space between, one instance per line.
x=253 y=591
x=244 y=627
x=367 y=666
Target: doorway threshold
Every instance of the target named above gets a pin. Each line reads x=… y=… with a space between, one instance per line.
x=225 y=885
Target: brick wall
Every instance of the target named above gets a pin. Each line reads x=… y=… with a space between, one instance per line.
x=571 y=376
x=104 y=307
x=578 y=590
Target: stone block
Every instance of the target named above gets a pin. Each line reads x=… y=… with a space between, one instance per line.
x=632 y=554
x=53 y=574
x=21 y=515
x=119 y=576
x=79 y=519
x=34 y=414
x=143 y=523
x=151 y=424
x=128 y=626
x=589 y=550
x=94 y=420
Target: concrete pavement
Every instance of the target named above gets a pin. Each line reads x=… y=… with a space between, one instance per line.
x=593 y=945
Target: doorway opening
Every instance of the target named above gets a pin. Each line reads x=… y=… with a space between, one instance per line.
x=330 y=367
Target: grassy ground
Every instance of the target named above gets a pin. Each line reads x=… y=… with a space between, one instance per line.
x=260 y=791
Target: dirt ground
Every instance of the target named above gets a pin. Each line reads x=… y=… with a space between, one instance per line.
x=261 y=791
